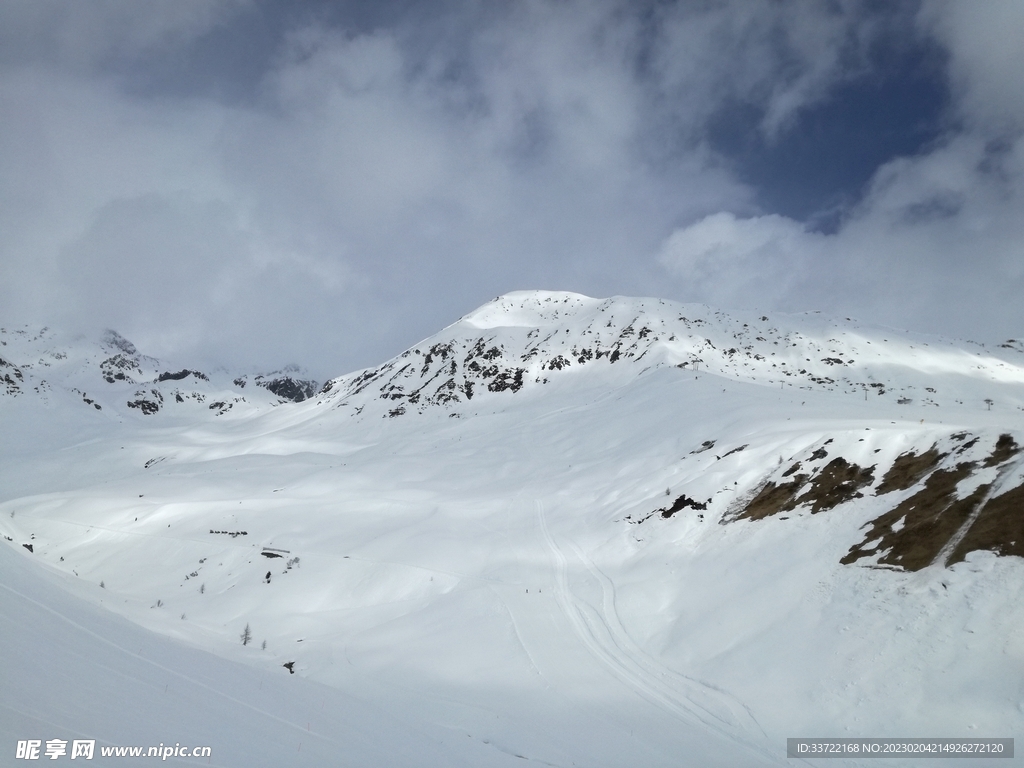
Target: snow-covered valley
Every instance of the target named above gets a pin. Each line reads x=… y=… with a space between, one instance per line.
x=562 y=530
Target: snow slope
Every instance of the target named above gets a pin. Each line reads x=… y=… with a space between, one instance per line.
x=571 y=531
x=75 y=671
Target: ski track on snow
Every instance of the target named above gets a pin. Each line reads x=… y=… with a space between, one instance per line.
x=608 y=642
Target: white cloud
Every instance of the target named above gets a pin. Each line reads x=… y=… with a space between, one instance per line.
x=986 y=59
x=779 y=57
x=937 y=244
x=727 y=259
x=381 y=184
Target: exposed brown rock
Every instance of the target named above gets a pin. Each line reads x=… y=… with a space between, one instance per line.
x=999 y=528
x=1006 y=448
x=773 y=499
x=839 y=481
x=908 y=469
x=931 y=517
x=681 y=503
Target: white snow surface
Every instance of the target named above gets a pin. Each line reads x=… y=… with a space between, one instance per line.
x=462 y=579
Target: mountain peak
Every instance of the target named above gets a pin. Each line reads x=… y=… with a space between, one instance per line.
x=114 y=339
x=526 y=339
x=529 y=309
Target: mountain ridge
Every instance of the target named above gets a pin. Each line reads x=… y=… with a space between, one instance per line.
x=550 y=334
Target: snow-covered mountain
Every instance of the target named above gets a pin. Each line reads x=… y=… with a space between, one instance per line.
x=566 y=530
x=535 y=337
x=40 y=364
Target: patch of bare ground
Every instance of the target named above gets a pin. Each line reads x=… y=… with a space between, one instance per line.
x=908 y=469
x=1006 y=448
x=930 y=518
x=774 y=498
x=999 y=528
x=923 y=527
x=999 y=525
x=913 y=535
x=681 y=503
x=838 y=481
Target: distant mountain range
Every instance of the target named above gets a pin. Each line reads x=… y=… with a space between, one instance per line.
x=112 y=373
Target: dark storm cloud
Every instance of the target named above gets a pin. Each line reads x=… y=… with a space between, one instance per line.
x=329 y=182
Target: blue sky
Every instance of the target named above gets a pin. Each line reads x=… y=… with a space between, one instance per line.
x=247 y=182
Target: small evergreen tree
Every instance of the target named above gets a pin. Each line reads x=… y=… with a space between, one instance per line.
x=246 y=635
